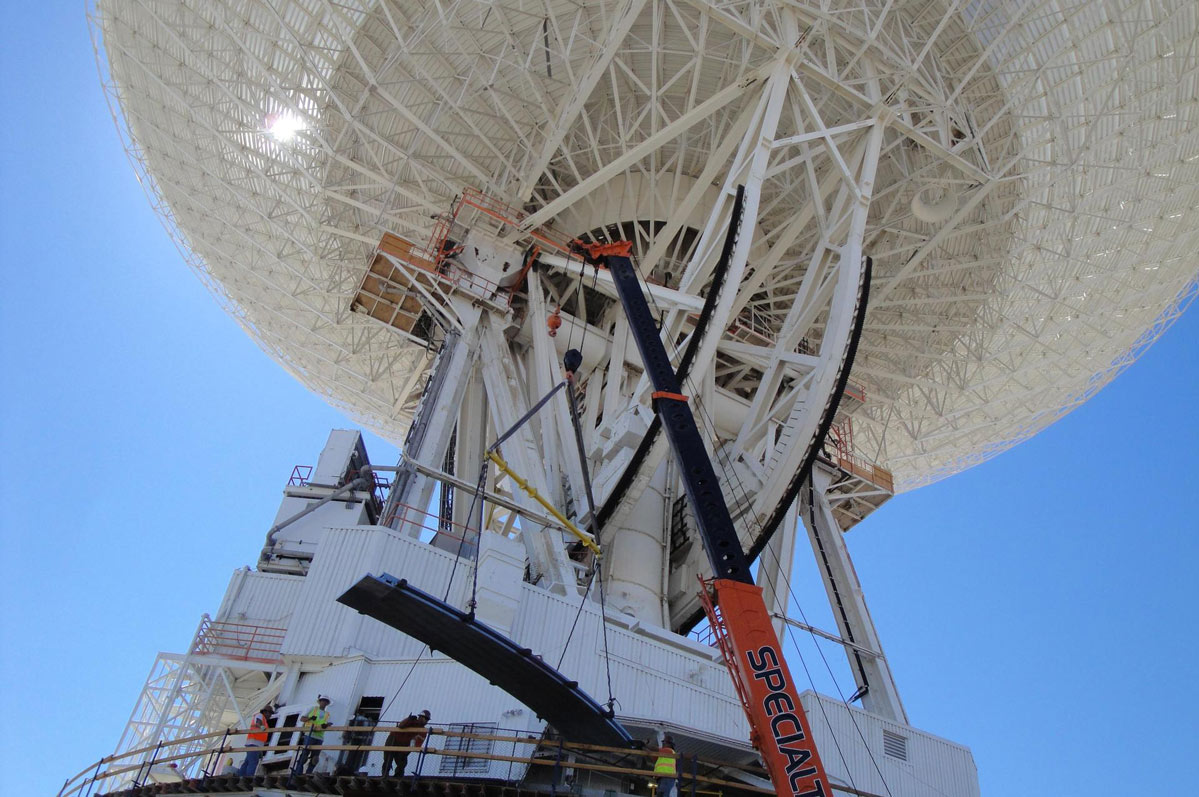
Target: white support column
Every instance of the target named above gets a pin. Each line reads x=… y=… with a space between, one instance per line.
x=507 y=402
x=557 y=431
x=614 y=395
x=842 y=281
x=434 y=427
x=749 y=169
x=848 y=602
x=468 y=454
x=542 y=376
x=775 y=565
x=636 y=554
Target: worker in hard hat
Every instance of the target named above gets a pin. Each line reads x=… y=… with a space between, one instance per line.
x=409 y=732
x=315 y=720
x=260 y=729
x=666 y=768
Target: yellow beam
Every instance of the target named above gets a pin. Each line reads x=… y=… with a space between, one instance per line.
x=583 y=536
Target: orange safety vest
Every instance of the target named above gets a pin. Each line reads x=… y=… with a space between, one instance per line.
x=665 y=766
x=260 y=729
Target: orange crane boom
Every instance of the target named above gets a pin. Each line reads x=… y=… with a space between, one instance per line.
x=779 y=727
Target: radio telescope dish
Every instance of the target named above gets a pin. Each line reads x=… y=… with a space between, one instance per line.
x=882 y=241
x=280 y=141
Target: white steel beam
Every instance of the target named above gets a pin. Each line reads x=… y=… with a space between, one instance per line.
x=433 y=426
x=848 y=601
x=671 y=131
x=748 y=169
x=601 y=280
x=507 y=402
x=580 y=95
x=806 y=414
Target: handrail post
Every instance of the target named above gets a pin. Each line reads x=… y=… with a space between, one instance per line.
x=694 y=773
x=291 y=769
x=420 y=758
x=370 y=742
x=214 y=758
x=137 y=779
x=556 y=771
x=301 y=754
x=92 y=783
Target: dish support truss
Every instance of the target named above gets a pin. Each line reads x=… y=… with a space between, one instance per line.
x=228 y=673
x=1061 y=134
x=495 y=362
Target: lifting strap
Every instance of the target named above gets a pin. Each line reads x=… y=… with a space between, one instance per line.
x=593 y=524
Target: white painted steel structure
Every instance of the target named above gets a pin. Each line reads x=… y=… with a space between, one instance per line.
x=663 y=681
x=1033 y=214
x=1024 y=177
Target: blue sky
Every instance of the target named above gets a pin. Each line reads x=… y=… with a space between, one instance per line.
x=1038 y=608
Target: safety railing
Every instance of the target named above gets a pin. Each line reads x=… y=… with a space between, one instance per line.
x=464 y=280
x=435 y=265
x=867 y=470
x=401 y=515
x=704 y=633
x=194 y=767
x=447 y=274
x=239 y=641
x=502 y=215
x=300 y=474
x=855 y=391
x=840 y=437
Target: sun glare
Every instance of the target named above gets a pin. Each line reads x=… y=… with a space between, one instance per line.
x=284 y=126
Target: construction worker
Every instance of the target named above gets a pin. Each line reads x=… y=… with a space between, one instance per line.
x=315 y=720
x=666 y=768
x=260 y=729
x=409 y=732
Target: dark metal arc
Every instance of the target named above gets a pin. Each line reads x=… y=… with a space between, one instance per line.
x=830 y=412
x=503 y=662
x=805 y=471
x=629 y=474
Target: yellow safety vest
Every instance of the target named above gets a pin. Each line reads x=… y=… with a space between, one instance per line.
x=317 y=716
x=665 y=766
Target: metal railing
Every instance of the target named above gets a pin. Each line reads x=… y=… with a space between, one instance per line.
x=300 y=474
x=841 y=439
x=406 y=514
x=503 y=217
x=136 y=768
x=240 y=641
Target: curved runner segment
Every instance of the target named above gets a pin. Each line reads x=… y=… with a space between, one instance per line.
x=779 y=728
x=503 y=662
x=830 y=412
x=702 y=325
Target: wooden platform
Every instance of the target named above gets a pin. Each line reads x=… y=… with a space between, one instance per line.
x=286 y=783
x=389 y=293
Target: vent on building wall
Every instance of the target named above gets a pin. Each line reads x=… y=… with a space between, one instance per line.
x=895 y=745
x=453 y=765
